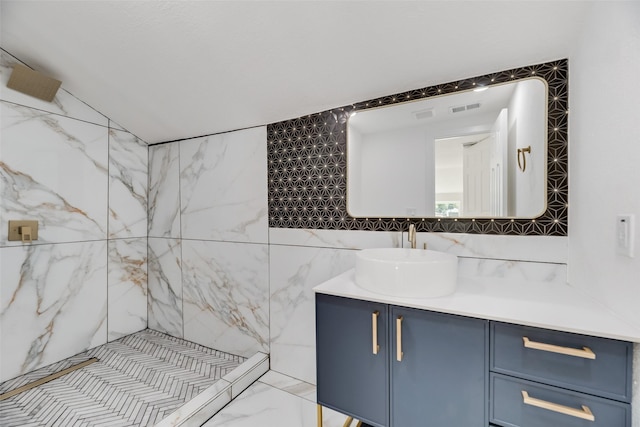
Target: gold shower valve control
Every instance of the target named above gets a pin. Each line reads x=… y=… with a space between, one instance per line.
x=24 y=231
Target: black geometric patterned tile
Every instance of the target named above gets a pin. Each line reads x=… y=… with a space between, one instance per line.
x=139 y=380
x=307 y=160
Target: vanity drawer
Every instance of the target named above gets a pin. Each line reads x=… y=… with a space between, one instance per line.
x=594 y=365
x=521 y=403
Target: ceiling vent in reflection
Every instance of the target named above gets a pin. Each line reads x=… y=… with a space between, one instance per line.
x=467 y=107
x=424 y=114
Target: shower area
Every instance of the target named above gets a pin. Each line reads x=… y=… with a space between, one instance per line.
x=151 y=261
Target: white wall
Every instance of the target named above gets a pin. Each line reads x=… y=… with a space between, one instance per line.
x=605 y=155
x=396 y=175
x=527 y=127
x=354 y=172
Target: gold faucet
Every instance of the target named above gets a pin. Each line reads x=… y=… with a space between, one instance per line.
x=412 y=235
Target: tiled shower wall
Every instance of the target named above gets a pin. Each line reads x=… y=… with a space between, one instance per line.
x=208 y=251
x=84 y=281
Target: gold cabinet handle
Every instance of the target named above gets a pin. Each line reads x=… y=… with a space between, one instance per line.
x=584 y=413
x=399 y=352
x=374 y=331
x=584 y=352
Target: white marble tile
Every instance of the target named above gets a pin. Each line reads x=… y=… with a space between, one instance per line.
x=340 y=239
x=223 y=187
x=635 y=392
x=128 y=183
x=226 y=295
x=53 y=303
x=293 y=274
x=54 y=169
x=165 y=286
x=551 y=249
x=198 y=410
x=247 y=367
x=266 y=406
x=519 y=270
x=164 y=190
x=64 y=103
x=247 y=373
x=290 y=385
x=127 y=281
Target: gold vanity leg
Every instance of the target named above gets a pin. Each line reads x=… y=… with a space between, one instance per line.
x=347 y=422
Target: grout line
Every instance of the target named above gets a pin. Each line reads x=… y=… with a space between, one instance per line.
x=179 y=213
x=108 y=227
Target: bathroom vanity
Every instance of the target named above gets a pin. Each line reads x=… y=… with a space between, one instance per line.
x=495 y=353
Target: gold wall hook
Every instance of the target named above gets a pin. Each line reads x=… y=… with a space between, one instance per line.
x=522 y=164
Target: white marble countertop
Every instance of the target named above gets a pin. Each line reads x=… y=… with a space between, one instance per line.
x=540 y=304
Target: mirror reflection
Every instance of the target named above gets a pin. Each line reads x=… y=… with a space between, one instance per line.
x=472 y=154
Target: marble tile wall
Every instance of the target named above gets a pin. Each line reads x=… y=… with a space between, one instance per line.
x=208 y=235
x=84 y=281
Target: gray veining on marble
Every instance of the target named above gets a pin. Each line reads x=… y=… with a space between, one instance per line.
x=127 y=282
x=223 y=187
x=164 y=190
x=293 y=274
x=226 y=295
x=532 y=271
x=53 y=169
x=53 y=303
x=290 y=385
x=165 y=286
x=339 y=239
x=549 y=249
x=128 y=182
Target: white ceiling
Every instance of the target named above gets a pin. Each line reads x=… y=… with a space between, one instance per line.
x=167 y=70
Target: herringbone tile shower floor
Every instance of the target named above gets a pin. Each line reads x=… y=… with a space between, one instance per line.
x=138 y=380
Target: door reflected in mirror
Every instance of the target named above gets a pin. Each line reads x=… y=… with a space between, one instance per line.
x=452 y=156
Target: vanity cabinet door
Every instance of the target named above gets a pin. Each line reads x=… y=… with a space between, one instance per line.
x=441 y=379
x=350 y=377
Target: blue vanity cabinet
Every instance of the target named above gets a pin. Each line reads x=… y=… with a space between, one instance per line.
x=440 y=380
x=439 y=369
x=352 y=355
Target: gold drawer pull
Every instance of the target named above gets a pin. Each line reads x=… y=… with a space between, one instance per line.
x=374 y=331
x=584 y=413
x=584 y=352
x=399 y=352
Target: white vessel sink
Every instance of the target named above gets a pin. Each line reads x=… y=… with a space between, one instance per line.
x=403 y=272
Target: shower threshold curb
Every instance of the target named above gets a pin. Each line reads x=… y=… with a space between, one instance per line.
x=205 y=405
